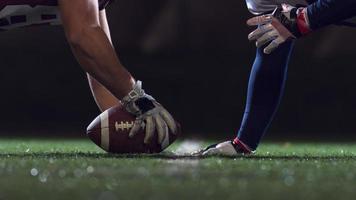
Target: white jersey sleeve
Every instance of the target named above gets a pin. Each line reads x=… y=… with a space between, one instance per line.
x=258 y=7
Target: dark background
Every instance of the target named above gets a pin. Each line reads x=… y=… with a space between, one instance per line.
x=194 y=57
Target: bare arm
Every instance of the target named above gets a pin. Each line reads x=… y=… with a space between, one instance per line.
x=92 y=47
x=103 y=97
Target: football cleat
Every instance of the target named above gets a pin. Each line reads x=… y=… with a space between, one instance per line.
x=227 y=148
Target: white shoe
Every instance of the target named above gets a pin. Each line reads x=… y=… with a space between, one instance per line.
x=228 y=148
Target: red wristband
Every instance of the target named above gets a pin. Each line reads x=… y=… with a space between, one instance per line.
x=302 y=21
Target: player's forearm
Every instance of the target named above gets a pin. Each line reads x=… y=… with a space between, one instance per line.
x=326 y=12
x=96 y=55
x=103 y=97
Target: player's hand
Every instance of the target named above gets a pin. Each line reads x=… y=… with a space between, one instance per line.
x=149 y=114
x=286 y=22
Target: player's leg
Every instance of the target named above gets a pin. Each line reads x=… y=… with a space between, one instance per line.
x=92 y=47
x=103 y=97
x=265 y=89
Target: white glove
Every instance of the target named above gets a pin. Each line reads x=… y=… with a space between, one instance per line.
x=286 y=22
x=149 y=114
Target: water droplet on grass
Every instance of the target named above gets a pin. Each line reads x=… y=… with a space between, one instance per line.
x=90 y=169
x=42 y=178
x=34 y=172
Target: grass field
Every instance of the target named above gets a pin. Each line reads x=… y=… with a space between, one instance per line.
x=77 y=169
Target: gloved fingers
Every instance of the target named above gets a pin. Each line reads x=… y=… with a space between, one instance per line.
x=273 y=45
x=161 y=127
x=281 y=29
x=260 y=31
x=259 y=20
x=150 y=129
x=136 y=127
x=169 y=121
x=271 y=35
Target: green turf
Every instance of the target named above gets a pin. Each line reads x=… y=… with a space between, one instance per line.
x=76 y=169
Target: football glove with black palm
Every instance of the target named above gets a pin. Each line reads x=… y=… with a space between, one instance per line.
x=149 y=114
x=285 y=23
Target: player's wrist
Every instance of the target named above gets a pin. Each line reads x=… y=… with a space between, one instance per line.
x=303 y=21
x=149 y=114
x=137 y=102
x=294 y=19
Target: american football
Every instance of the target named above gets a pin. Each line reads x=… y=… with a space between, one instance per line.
x=110 y=131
